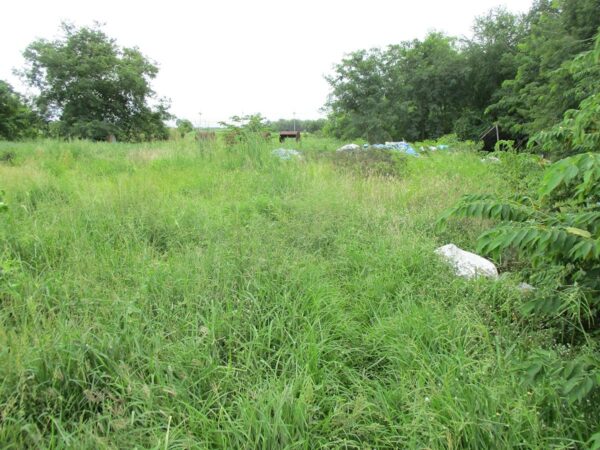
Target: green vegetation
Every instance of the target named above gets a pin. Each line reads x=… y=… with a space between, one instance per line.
x=312 y=126
x=543 y=87
x=556 y=235
x=245 y=129
x=91 y=88
x=522 y=72
x=204 y=293
x=182 y=295
x=184 y=126
x=579 y=131
x=16 y=118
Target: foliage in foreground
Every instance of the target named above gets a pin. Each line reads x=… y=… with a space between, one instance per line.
x=557 y=232
x=187 y=295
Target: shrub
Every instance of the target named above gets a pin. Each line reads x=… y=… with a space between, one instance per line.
x=17 y=120
x=246 y=128
x=560 y=227
x=558 y=232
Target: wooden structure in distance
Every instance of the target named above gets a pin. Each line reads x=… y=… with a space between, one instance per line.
x=283 y=135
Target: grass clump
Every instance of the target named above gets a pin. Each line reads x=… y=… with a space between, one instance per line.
x=371 y=162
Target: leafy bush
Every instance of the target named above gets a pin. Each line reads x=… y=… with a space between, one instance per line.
x=579 y=131
x=184 y=126
x=559 y=228
x=522 y=171
x=573 y=380
x=558 y=232
x=242 y=129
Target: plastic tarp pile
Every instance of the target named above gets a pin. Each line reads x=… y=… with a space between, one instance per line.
x=434 y=148
x=286 y=153
x=402 y=146
x=349 y=148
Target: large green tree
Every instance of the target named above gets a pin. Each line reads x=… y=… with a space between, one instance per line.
x=412 y=90
x=490 y=57
x=516 y=70
x=93 y=88
x=544 y=86
x=579 y=131
x=357 y=102
x=17 y=120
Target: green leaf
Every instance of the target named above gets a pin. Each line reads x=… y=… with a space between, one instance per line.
x=579 y=232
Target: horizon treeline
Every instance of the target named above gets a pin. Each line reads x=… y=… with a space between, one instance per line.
x=515 y=71
x=527 y=73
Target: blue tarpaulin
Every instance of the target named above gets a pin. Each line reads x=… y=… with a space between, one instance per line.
x=403 y=147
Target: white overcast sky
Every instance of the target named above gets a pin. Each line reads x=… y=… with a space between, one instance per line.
x=227 y=57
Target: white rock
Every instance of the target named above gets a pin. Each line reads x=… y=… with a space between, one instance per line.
x=349 y=148
x=467 y=264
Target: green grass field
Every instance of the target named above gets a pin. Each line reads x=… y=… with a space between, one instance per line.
x=172 y=295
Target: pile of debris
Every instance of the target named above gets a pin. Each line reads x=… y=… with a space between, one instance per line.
x=403 y=147
x=286 y=153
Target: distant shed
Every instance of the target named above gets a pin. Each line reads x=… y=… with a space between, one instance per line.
x=283 y=135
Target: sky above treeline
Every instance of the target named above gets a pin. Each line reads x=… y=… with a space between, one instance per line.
x=224 y=58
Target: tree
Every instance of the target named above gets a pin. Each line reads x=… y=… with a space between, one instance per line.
x=413 y=90
x=252 y=123
x=356 y=103
x=543 y=87
x=244 y=128
x=432 y=76
x=515 y=71
x=490 y=58
x=184 y=126
x=16 y=118
x=579 y=131
x=312 y=126
x=93 y=87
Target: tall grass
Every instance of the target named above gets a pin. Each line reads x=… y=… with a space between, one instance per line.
x=171 y=295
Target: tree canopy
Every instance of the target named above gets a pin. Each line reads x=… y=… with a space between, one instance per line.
x=184 y=126
x=517 y=70
x=544 y=87
x=17 y=120
x=93 y=88
x=310 y=125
